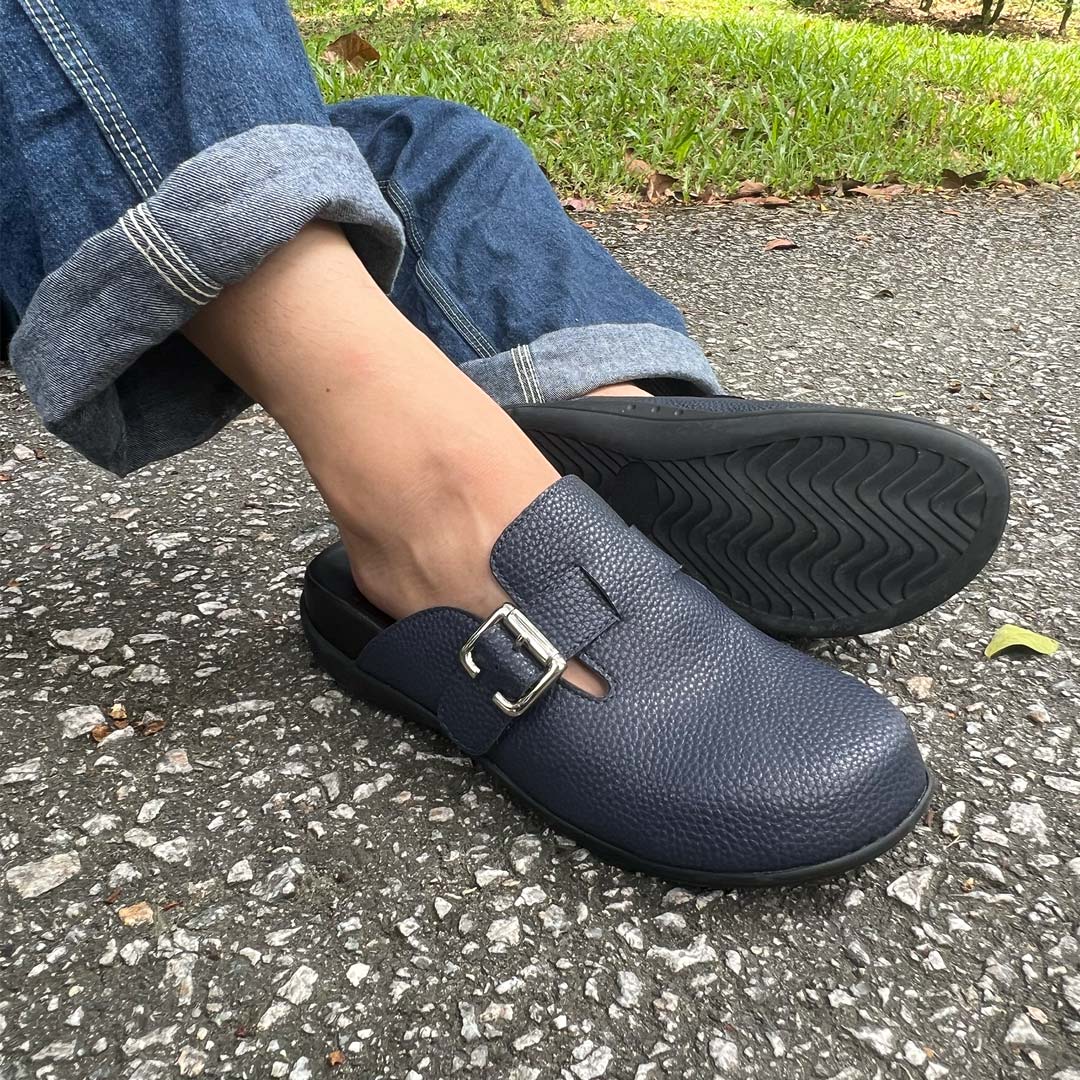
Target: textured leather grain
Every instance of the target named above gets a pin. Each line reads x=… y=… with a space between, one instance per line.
x=716 y=749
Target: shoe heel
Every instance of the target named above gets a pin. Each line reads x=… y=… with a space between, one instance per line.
x=349 y=677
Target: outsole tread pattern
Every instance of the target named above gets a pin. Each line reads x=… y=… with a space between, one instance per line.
x=812 y=530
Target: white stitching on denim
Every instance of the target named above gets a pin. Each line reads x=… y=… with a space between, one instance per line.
x=473 y=335
x=453 y=312
x=86 y=85
x=147 y=159
x=209 y=289
x=399 y=197
x=527 y=360
x=148 y=253
x=143 y=182
x=517 y=371
x=133 y=231
x=181 y=264
x=448 y=306
x=521 y=363
x=153 y=265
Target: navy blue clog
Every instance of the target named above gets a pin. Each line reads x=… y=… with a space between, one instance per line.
x=808 y=520
x=718 y=757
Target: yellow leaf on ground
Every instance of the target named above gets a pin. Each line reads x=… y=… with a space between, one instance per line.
x=1010 y=636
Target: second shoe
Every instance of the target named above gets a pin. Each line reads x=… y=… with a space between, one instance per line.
x=809 y=520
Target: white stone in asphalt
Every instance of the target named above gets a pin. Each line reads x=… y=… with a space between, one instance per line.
x=37 y=878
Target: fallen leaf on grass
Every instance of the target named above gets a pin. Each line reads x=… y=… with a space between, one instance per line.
x=878 y=191
x=574 y=203
x=749 y=188
x=953 y=181
x=781 y=243
x=660 y=186
x=636 y=166
x=352 y=50
x=1011 y=636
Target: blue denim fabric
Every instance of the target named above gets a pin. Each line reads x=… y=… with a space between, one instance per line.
x=141 y=173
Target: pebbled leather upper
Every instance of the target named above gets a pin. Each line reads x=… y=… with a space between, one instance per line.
x=716 y=749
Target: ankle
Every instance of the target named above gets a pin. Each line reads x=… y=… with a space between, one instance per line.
x=619 y=390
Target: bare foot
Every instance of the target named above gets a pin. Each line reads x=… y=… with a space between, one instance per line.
x=420 y=468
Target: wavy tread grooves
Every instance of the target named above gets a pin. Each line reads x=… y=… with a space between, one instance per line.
x=815 y=527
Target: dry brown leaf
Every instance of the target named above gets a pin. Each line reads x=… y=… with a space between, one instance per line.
x=118 y=712
x=352 y=50
x=878 y=191
x=709 y=196
x=99 y=731
x=781 y=243
x=660 y=186
x=749 y=188
x=335 y=1058
x=773 y=201
x=636 y=166
x=953 y=181
x=574 y=203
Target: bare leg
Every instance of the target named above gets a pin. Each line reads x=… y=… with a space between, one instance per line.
x=624 y=389
x=420 y=468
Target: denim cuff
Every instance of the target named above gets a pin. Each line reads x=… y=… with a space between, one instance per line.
x=575 y=361
x=90 y=345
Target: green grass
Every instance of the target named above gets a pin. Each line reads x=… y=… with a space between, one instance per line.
x=716 y=93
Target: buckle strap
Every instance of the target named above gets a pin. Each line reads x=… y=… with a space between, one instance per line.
x=517 y=655
x=528 y=635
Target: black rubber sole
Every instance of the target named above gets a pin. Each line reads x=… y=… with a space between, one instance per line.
x=351 y=679
x=807 y=522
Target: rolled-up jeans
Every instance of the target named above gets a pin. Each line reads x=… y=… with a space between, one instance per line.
x=152 y=154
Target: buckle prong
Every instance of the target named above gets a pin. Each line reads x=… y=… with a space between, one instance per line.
x=528 y=634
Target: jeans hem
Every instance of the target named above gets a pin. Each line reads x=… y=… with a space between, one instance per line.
x=577 y=360
x=88 y=345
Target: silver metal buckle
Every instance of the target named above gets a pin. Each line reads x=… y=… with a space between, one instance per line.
x=532 y=638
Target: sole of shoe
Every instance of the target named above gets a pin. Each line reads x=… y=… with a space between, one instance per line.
x=807 y=522
x=351 y=679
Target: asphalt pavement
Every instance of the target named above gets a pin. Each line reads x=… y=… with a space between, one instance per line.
x=215 y=865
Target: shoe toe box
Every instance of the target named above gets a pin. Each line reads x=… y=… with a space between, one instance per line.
x=759 y=760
